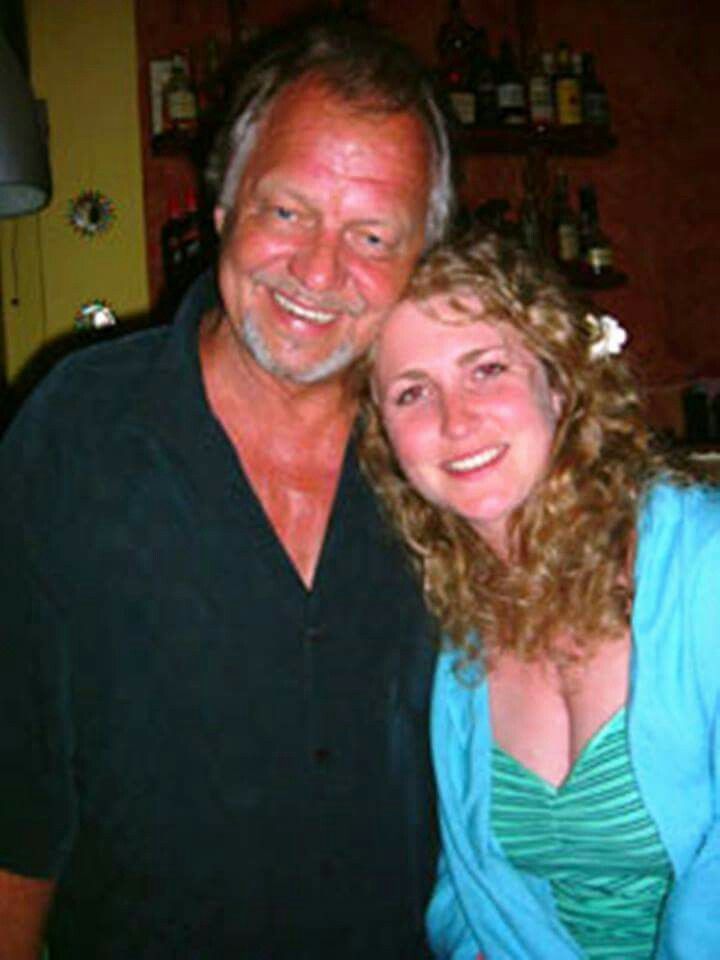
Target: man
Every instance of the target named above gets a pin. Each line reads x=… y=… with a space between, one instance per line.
x=216 y=663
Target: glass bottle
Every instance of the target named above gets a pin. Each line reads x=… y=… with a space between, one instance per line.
x=530 y=224
x=595 y=247
x=454 y=45
x=540 y=93
x=180 y=107
x=512 y=110
x=568 y=104
x=191 y=236
x=483 y=75
x=242 y=33
x=211 y=90
x=565 y=229
x=171 y=243
x=595 y=104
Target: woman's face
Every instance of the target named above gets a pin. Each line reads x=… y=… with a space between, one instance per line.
x=468 y=410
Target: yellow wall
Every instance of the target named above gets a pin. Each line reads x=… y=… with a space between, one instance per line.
x=84 y=65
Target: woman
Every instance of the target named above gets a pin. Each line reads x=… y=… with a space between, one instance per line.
x=574 y=729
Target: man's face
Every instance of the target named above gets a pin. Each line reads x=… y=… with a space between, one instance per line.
x=328 y=224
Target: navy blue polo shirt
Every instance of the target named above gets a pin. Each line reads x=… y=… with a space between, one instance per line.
x=212 y=760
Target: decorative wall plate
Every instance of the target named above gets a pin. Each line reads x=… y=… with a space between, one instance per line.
x=91 y=213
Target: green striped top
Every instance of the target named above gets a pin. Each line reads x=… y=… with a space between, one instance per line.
x=592 y=839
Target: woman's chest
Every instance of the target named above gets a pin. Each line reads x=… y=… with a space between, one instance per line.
x=544 y=716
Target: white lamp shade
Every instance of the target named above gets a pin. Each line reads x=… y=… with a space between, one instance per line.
x=24 y=171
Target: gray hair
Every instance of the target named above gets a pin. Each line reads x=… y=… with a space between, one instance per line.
x=361 y=64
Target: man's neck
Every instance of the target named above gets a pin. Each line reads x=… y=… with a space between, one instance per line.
x=240 y=379
x=289 y=438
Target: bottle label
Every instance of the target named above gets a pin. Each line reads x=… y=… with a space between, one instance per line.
x=568 y=243
x=541 y=103
x=510 y=96
x=182 y=107
x=595 y=109
x=567 y=96
x=599 y=258
x=463 y=104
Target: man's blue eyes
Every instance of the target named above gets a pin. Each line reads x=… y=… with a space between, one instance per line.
x=289 y=215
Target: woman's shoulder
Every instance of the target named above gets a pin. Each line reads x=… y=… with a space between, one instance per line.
x=459 y=715
x=461 y=666
x=687 y=515
x=458 y=679
x=678 y=562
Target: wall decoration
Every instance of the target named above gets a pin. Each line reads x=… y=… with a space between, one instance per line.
x=91 y=213
x=94 y=315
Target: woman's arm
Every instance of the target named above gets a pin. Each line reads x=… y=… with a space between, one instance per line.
x=449 y=933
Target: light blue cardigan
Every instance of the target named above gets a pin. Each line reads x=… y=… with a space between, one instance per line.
x=481 y=904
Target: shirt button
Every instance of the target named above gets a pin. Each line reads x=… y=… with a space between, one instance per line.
x=314 y=635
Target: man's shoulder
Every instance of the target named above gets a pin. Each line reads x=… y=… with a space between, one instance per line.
x=112 y=362
x=83 y=398
x=97 y=382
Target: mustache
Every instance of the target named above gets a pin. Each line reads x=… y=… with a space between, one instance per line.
x=329 y=301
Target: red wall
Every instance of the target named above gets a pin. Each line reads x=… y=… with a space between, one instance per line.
x=658 y=190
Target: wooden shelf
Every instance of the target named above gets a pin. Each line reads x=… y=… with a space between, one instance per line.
x=581 y=141
x=586 y=280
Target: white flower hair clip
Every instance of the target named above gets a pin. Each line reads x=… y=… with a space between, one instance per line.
x=609 y=336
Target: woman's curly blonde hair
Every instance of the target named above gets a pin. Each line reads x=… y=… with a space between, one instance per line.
x=568 y=573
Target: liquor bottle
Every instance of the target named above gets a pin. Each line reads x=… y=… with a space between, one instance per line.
x=462 y=96
x=548 y=60
x=595 y=104
x=211 y=90
x=483 y=78
x=454 y=44
x=512 y=110
x=180 y=107
x=565 y=230
x=455 y=37
x=171 y=244
x=595 y=247
x=568 y=103
x=191 y=237
x=530 y=224
x=243 y=34
x=540 y=93
x=697 y=414
x=576 y=59
x=492 y=215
